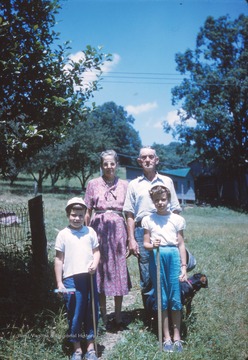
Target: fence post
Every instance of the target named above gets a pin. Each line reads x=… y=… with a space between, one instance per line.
x=37 y=226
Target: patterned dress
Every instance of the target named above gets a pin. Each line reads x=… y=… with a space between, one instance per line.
x=109 y=224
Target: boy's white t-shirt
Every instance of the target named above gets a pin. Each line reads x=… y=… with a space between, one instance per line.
x=77 y=246
x=164 y=227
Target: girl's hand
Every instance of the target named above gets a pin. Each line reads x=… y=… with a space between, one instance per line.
x=156 y=243
x=183 y=276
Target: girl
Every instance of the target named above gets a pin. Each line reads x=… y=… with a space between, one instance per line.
x=164 y=229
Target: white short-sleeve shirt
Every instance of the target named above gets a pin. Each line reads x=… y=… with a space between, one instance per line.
x=77 y=246
x=164 y=227
x=138 y=200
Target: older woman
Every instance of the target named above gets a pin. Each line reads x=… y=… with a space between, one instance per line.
x=104 y=198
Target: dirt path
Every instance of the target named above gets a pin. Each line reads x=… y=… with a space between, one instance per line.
x=107 y=340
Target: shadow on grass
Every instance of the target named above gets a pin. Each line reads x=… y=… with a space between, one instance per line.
x=27 y=297
x=150 y=321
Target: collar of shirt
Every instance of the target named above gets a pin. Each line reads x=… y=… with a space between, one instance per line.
x=157 y=178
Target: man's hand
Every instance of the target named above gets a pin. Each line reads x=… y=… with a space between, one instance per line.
x=133 y=247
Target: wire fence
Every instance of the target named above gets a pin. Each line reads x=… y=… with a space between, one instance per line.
x=15 y=235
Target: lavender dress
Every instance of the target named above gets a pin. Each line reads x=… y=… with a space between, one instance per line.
x=109 y=224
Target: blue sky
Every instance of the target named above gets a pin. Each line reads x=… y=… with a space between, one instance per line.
x=143 y=36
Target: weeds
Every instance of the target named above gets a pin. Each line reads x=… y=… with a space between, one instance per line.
x=33 y=327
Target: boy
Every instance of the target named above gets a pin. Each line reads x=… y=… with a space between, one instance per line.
x=164 y=229
x=76 y=260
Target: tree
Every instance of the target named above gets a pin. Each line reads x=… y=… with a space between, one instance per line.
x=49 y=161
x=77 y=154
x=107 y=127
x=84 y=144
x=117 y=125
x=42 y=91
x=214 y=94
x=173 y=156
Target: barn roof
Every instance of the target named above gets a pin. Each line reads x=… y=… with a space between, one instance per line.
x=177 y=172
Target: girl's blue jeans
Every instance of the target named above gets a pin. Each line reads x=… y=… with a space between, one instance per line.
x=79 y=307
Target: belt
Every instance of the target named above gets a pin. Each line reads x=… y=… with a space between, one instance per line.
x=108 y=211
x=138 y=223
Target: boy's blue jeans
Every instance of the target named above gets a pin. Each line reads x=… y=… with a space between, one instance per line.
x=79 y=307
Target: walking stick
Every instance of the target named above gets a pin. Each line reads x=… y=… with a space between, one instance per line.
x=159 y=302
x=93 y=310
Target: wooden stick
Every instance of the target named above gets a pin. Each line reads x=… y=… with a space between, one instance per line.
x=160 y=336
x=93 y=311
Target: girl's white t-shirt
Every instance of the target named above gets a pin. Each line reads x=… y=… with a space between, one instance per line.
x=77 y=246
x=164 y=227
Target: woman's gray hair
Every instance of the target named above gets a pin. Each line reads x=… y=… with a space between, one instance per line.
x=108 y=153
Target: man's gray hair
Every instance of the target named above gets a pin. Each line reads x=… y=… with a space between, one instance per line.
x=148 y=147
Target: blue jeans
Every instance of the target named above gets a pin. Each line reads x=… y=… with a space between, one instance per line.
x=143 y=262
x=79 y=307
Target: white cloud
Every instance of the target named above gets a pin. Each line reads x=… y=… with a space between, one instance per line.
x=109 y=65
x=91 y=75
x=77 y=56
x=158 y=125
x=138 y=109
x=155 y=124
x=173 y=118
x=191 y=122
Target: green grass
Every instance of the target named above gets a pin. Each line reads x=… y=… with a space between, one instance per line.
x=217 y=326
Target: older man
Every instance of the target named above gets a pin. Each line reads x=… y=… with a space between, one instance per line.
x=138 y=204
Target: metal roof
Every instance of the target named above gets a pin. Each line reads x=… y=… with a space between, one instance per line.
x=177 y=172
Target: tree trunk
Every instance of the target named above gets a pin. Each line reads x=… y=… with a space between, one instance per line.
x=40 y=181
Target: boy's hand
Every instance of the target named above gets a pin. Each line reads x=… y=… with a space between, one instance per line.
x=92 y=268
x=60 y=286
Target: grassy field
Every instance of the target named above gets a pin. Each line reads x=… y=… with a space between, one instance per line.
x=215 y=330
